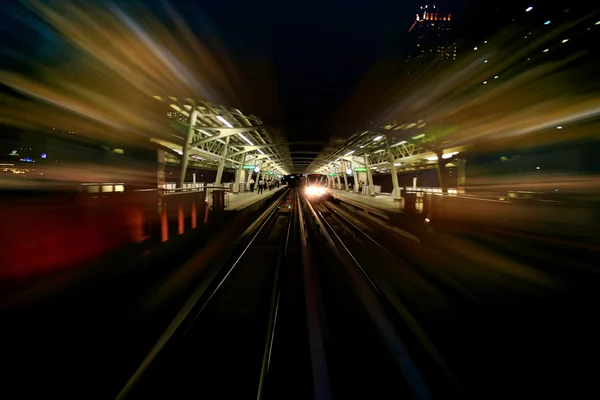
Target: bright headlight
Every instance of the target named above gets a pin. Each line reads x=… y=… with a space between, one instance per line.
x=310 y=190
x=322 y=190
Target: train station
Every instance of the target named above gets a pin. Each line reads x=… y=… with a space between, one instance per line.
x=162 y=238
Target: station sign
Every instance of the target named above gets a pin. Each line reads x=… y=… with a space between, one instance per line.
x=250 y=167
x=360 y=169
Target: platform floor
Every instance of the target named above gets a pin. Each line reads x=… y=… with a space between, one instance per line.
x=380 y=202
x=239 y=201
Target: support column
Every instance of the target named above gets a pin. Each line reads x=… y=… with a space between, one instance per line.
x=222 y=163
x=250 y=174
x=371 y=191
x=355 y=176
x=337 y=179
x=186 y=148
x=396 y=187
x=238 y=174
x=345 y=175
x=440 y=171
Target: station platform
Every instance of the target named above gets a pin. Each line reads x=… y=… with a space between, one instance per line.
x=242 y=201
x=381 y=204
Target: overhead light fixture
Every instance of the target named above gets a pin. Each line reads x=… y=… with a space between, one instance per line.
x=397 y=164
x=246 y=139
x=434 y=158
x=260 y=151
x=377 y=138
x=528 y=9
x=337 y=159
x=348 y=153
x=223 y=120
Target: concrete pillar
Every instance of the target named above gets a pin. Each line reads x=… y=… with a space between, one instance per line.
x=186 y=148
x=371 y=191
x=248 y=178
x=239 y=177
x=222 y=163
x=355 y=176
x=440 y=170
x=337 y=179
x=395 y=185
x=344 y=164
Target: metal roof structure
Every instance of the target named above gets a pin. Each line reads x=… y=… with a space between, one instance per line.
x=393 y=146
x=217 y=136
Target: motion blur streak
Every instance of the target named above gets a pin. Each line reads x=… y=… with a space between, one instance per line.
x=112 y=86
x=507 y=87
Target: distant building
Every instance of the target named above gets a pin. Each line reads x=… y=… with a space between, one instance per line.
x=176 y=116
x=431 y=34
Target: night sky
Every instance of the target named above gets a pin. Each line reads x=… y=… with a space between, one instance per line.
x=301 y=62
x=315 y=52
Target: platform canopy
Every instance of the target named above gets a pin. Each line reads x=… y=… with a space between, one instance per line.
x=220 y=137
x=397 y=146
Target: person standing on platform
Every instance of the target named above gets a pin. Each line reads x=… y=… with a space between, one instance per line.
x=260 y=185
x=251 y=185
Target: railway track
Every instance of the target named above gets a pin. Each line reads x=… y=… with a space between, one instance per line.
x=225 y=342
x=471 y=323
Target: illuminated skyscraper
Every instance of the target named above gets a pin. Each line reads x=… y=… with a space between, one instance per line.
x=431 y=34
